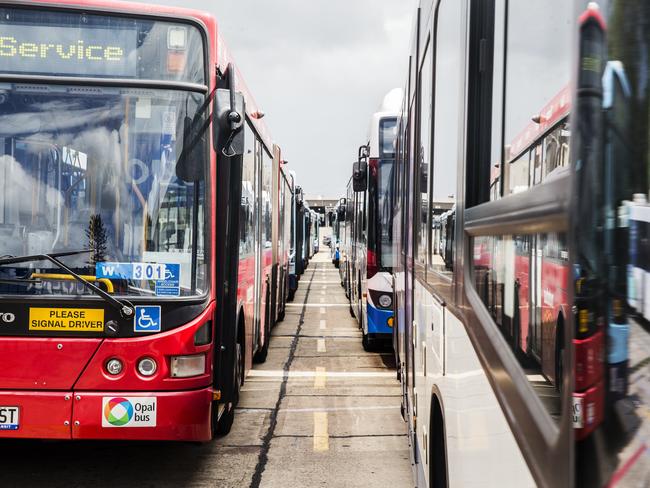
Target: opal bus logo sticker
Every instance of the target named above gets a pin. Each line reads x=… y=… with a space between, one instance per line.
x=129 y=411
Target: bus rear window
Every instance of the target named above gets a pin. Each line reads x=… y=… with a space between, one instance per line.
x=52 y=43
x=387 y=135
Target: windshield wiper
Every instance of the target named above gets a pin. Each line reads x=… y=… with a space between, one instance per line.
x=125 y=309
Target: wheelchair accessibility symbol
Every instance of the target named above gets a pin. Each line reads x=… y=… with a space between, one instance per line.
x=147 y=319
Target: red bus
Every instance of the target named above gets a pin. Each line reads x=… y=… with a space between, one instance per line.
x=129 y=145
x=532 y=307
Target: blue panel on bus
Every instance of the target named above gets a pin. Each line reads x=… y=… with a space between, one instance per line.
x=378 y=321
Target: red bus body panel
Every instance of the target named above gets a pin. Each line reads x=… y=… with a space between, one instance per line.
x=43 y=363
x=42 y=414
x=180 y=416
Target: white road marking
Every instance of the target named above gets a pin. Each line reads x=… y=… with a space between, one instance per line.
x=322 y=310
x=323 y=324
x=278 y=373
x=322 y=409
x=320 y=345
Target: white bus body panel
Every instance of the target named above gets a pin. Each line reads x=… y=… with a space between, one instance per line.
x=481 y=449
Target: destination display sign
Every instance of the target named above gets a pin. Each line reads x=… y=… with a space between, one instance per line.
x=76 y=51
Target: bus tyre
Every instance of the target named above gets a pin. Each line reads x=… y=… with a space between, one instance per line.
x=221 y=426
x=367 y=343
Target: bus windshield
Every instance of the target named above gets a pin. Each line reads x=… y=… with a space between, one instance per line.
x=103 y=170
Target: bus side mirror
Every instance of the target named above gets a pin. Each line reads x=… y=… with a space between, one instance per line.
x=360 y=176
x=228 y=122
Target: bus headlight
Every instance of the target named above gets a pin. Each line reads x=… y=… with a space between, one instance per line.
x=147 y=367
x=185 y=366
x=385 y=301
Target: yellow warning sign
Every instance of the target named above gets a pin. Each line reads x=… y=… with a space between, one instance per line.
x=67 y=319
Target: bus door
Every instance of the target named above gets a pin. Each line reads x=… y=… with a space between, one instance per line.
x=535 y=296
x=534 y=344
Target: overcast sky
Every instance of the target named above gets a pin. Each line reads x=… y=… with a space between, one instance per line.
x=318 y=69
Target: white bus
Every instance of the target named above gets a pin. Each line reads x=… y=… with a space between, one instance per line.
x=371 y=281
x=521 y=319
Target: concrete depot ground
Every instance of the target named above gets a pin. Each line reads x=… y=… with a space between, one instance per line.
x=319 y=412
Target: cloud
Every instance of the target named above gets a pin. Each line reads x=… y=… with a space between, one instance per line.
x=319 y=69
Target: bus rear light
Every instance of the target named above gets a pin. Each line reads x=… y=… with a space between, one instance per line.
x=589 y=361
x=186 y=366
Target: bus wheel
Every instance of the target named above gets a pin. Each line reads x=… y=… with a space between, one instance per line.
x=221 y=426
x=367 y=343
x=437 y=448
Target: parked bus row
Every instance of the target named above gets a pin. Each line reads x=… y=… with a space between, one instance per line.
x=520 y=233
x=307 y=227
x=130 y=144
x=364 y=227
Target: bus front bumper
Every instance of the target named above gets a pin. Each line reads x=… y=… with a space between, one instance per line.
x=379 y=321
x=173 y=416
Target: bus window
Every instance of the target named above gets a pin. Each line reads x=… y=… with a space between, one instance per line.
x=247 y=205
x=523 y=281
x=424 y=152
x=445 y=155
x=266 y=199
x=496 y=154
x=538 y=68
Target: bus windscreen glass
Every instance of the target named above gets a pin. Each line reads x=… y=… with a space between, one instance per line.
x=49 y=43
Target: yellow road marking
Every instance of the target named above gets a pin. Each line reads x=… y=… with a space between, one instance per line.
x=321 y=435
x=320 y=345
x=320 y=379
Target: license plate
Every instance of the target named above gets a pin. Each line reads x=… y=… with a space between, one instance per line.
x=9 y=418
